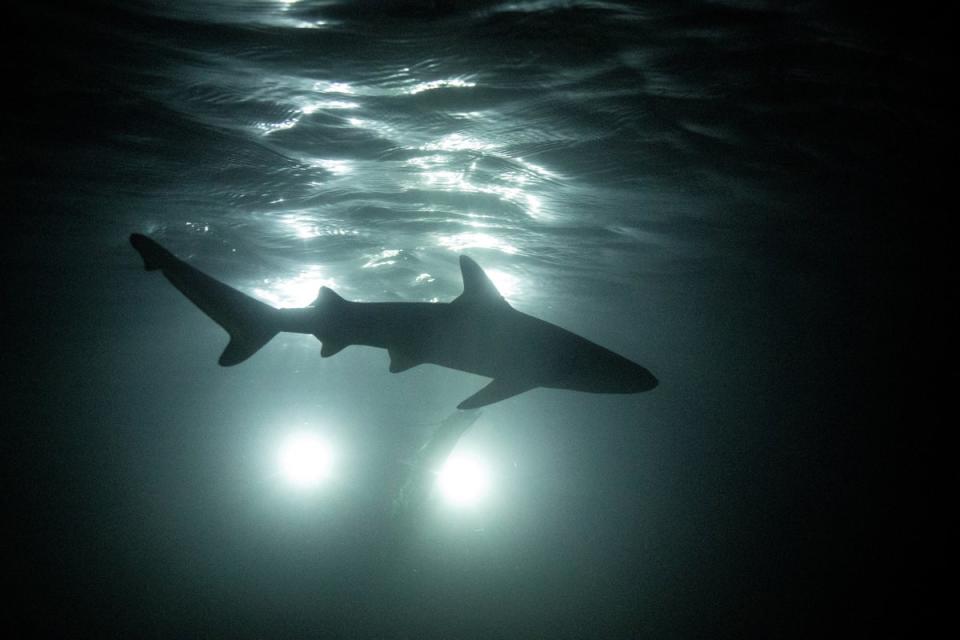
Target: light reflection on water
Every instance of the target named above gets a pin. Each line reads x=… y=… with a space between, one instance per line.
x=420 y=87
x=383 y=259
x=460 y=156
x=509 y=285
x=394 y=147
x=296 y=291
x=459 y=142
x=459 y=242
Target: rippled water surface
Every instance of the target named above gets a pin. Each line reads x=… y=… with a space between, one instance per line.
x=712 y=189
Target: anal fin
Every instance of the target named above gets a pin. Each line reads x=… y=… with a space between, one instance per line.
x=498 y=389
x=400 y=361
x=331 y=347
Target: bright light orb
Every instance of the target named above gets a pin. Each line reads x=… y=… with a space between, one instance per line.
x=463 y=480
x=305 y=460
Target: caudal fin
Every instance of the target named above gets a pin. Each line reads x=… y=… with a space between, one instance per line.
x=250 y=323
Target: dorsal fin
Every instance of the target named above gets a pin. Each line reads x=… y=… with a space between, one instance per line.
x=326 y=295
x=477 y=286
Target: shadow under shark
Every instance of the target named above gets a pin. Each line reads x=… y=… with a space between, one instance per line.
x=478 y=332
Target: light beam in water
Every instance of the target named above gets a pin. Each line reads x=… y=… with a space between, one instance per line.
x=305 y=460
x=463 y=480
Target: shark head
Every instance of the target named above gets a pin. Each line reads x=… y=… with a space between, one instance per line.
x=586 y=366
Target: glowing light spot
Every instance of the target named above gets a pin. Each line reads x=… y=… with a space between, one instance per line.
x=198 y=226
x=305 y=460
x=469 y=115
x=459 y=181
x=382 y=129
x=333 y=87
x=536 y=168
x=336 y=167
x=458 y=142
x=270 y=127
x=384 y=258
x=313 y=107
x=463 y=480
x=474 y=240
x=451 y=180
x=440 y=84
x=534 y=205
x=426 y=163
x=303 y=226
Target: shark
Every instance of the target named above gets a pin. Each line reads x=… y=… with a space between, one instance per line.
x=479 y=332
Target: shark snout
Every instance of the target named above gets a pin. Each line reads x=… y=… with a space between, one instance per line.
x=610 y=373
x=644 y=380
x=629 y=377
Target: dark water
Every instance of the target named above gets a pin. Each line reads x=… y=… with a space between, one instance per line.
x=725 y=192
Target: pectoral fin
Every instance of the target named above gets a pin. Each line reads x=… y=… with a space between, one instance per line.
x=498 y=389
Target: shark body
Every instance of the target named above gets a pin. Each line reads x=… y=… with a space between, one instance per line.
x=478 y=332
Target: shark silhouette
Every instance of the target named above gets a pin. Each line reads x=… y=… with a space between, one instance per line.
x=478 y=332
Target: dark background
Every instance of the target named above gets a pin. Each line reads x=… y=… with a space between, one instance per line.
x=842 y=520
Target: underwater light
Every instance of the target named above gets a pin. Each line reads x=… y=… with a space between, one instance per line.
x=305 y=460
x=463 y=480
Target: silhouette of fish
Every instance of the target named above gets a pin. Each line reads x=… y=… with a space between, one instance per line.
x=478 y=332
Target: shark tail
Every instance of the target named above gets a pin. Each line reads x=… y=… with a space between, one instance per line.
x=250 y=323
